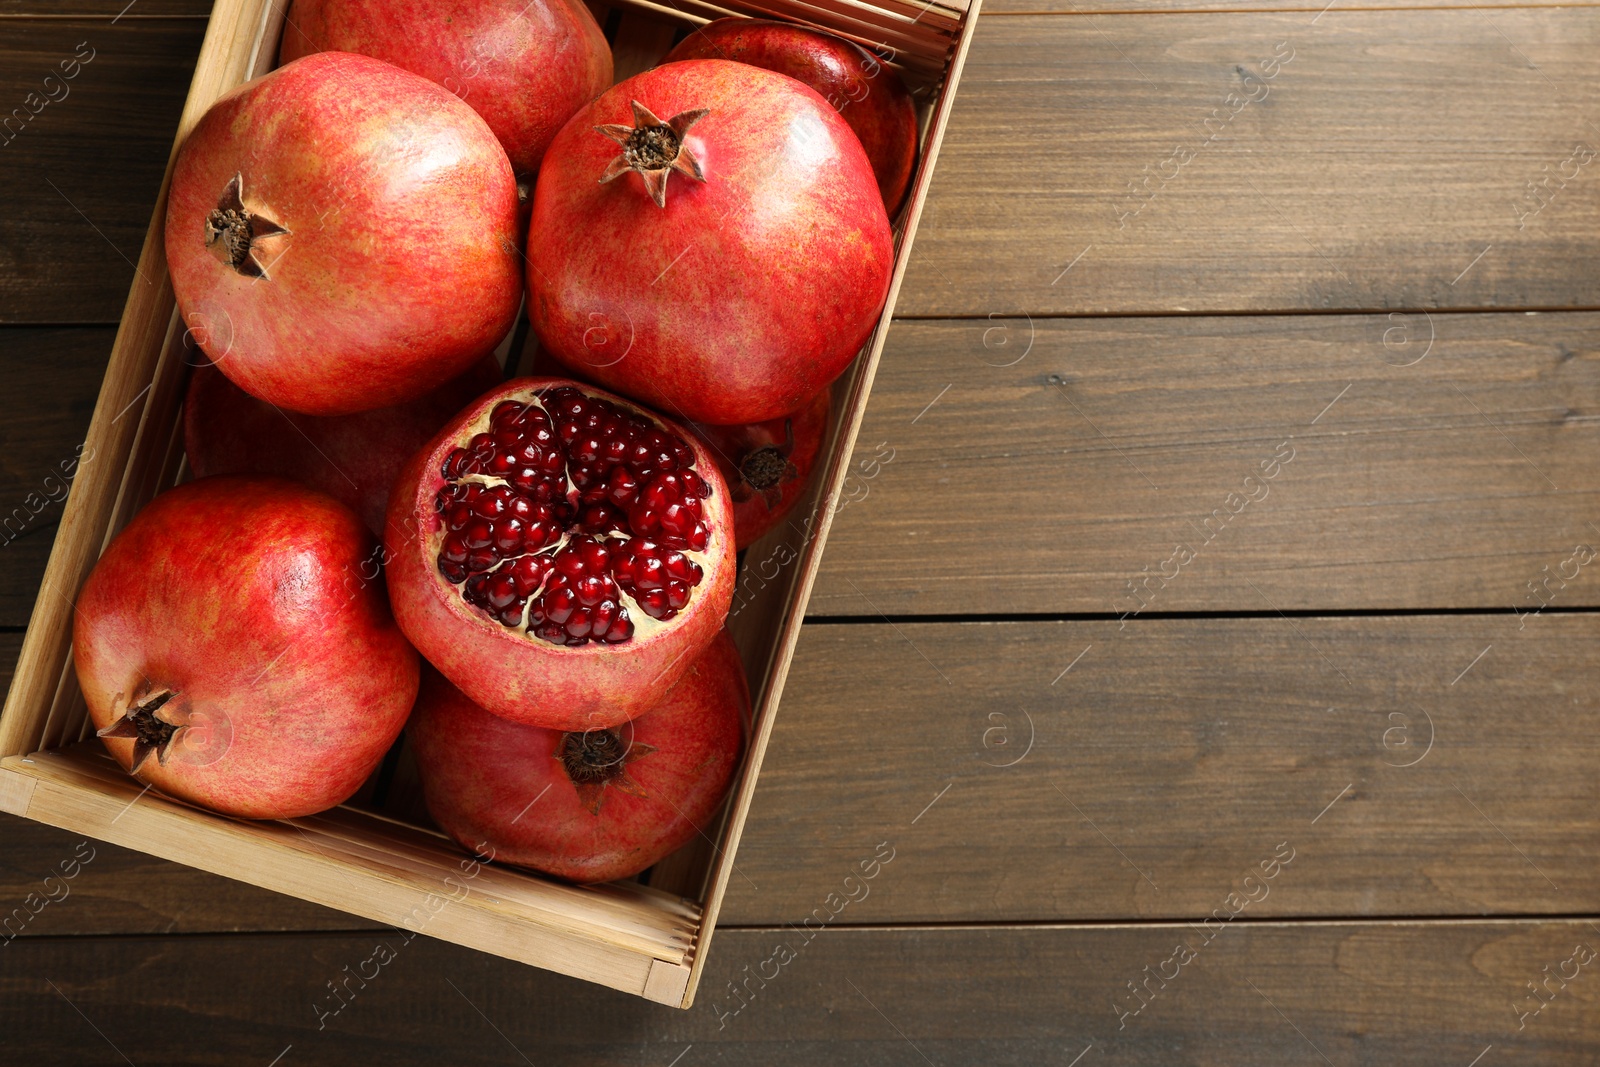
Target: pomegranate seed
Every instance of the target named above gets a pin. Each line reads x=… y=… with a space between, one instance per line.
x=622 y=492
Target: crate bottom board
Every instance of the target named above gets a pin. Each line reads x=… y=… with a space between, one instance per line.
x=630 y=938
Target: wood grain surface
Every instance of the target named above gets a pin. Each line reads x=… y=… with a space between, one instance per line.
x=1371 y=462
x=121 y=9
x=1265 y=994
x=1368 y=171
x=1368 y=731
x=81 y=172
x=1421 y=765
x=51 y=379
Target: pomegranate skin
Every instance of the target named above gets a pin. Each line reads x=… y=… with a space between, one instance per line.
x=480 y=772
x=767 y=465
x=511 y=673
x=746 y=294
x=868 y=93
x=245 y=598
x=526 y=68
x=400 y=265
x=353 y=458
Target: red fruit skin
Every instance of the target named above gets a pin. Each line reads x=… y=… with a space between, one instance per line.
x=244 y=595
x=525 y=67
x=519 y=677
x=756 y=511
x=401 y=265
x=353 y=458
x=868 y=93
x=746 y=294
x=479 y=773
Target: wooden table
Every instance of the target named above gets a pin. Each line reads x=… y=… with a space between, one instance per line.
x=1215 y=655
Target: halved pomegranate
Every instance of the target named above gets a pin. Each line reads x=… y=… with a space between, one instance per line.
x=235 y=648
x=352 y=458
x=767 y=465
x=587 y=806
x=561 y=554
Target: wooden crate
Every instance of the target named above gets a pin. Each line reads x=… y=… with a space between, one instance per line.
x=647 y=936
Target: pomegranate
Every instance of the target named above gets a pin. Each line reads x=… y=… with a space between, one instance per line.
x=722 y=262
x=236 y=631
x=342 y=235
x=352 y=458
x=869 y=94
x=588 y=806
x=524 y=66
x=561 y=554
x=767 y=465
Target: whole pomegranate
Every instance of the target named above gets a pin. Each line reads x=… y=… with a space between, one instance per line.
x=767 y=465
x=867 y=92
x=352 y=458
x=342 y=235
x=561 y=554
x=232 y=632
x=587 y=806
x=708 y=237
x=524 y=65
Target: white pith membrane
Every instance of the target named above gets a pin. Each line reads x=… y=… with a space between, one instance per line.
x=644 y=624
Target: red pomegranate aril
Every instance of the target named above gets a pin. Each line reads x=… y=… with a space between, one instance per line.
x=602 y=444
x=659 y=578
x=561 y=517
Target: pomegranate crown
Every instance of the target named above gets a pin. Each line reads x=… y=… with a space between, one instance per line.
x=654 y=149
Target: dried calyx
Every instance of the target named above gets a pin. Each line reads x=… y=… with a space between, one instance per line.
x=573 y=520
x=764 y=470
x=149 y=726
x=654 y=149
x=232 y=231
x=598 y=759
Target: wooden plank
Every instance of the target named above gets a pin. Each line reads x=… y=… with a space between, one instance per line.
x=1153 y=768
x=1369 y=172
x=110 y=10
x=121 y=10
x=115 y=890
x=1050 y=484
x=1259 y=994
x=1195 y=747
x=1309 y=7
x=1436 y=106
x=76 y=218
x=52 y=376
